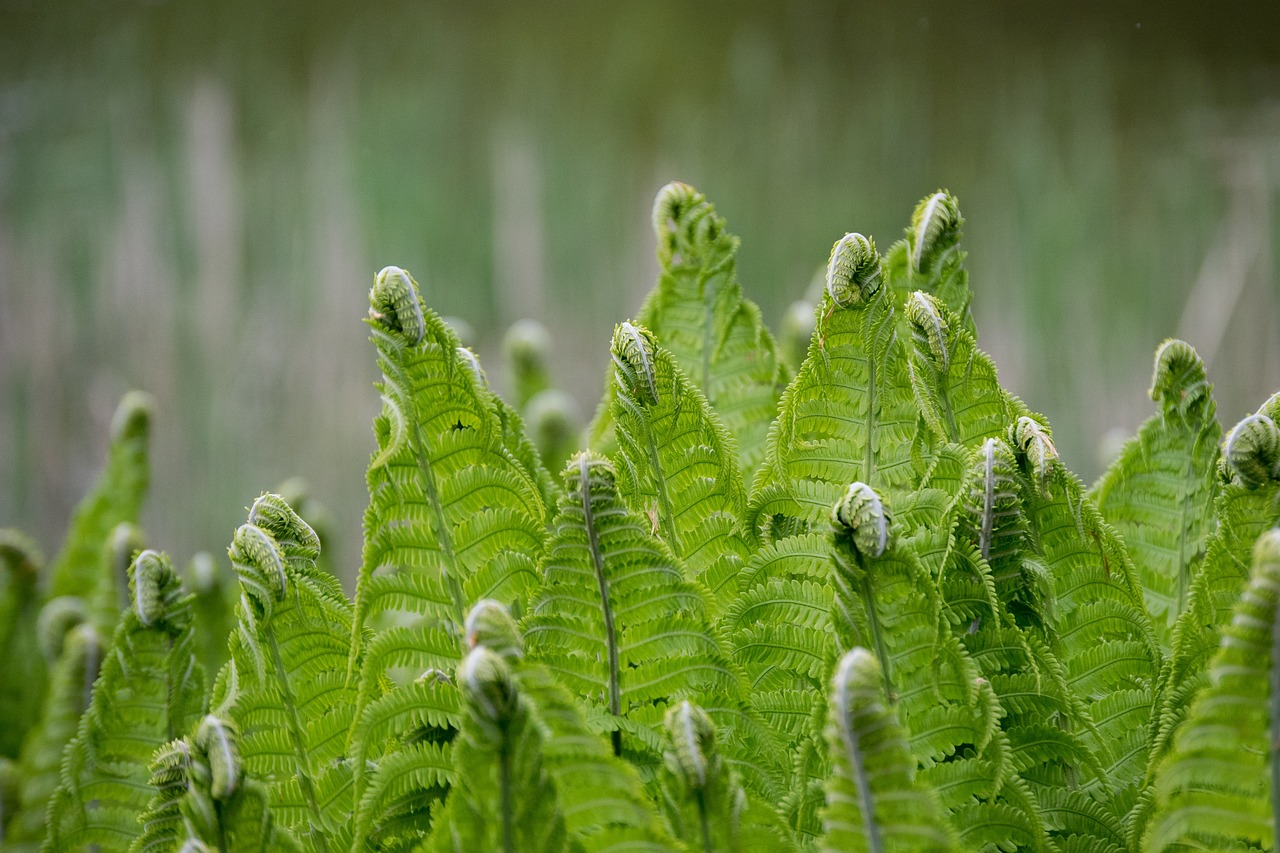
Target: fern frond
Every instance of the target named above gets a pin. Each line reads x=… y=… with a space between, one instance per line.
x=23 y=671
x=78 y=649
x=204 y=797
x=116 y=496
x=873 y=801
x=150 y=690
x=616 y=619
x=1218 y=787
x=284 y=686
x=676 y=462
x=955 y=383
x=929 y=257
x=849 y=414
x=1159 y=493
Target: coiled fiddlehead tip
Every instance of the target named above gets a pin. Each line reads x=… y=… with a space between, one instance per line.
x=693 y=742
x=468 y=359
x=670 y=206
x=294 y=536
x=1252 y=450
x=1035 y=443
x=132 y=418
x=486 y=681
x=929 y=328
x=151 y=579
x=219 y=740
x=935 y=227
x=634 y=349
x=394 y=302
x=489 y=624
x=125 y=540
x=854 y=271
x=527 y=344
x=20 y=555
x=1178 y=379
x=858 y=672
x=589 y=470
x=56 y=620
x=259 y=563
x=863 y=513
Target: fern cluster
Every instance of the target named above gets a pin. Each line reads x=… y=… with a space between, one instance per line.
x=842 y=597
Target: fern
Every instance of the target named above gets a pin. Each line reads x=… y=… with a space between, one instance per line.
x=873 y=801
x=284 y=685
x=676 y=462
x=23 y=671
x=1159 y=492
x=204 y=800
x=78 y=649
x=929 y=258
x=117 y=496
x=849 y=414
x=149 y=691
x=617 y=621
x=1218 y=787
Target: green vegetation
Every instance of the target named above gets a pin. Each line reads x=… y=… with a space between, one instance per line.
x=856 y=603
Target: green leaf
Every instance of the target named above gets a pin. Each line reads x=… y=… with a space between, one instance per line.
x=150 y=690
x=676 y=462
x=1159 y=493
x=874 y=802
x=1218 y=787
x=117 y=496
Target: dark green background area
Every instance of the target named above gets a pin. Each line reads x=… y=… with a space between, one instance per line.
x=194 y=199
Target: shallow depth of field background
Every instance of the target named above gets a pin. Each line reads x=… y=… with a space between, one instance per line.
x=194 y=199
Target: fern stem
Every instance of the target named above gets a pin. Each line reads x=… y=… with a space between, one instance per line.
x=873 y=619
x=504 y=793
x=667 y=512
x=442 y=524
x=705 y=821
x=597 y=558
x=1274 y=709
x=854 y=755
x=299 y=745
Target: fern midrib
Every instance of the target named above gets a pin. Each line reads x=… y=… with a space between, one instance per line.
x=504 y=794
x=667 y=514
x=871 y=414
x=877 y=633
x=441 y=522
x=854 y=756
x=305 y=771
x=606 y=605
x=708 y=316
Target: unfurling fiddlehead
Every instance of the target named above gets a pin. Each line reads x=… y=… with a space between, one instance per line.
x=393 y=302
x=935 y=230
x=853 y=272
x=864 y=514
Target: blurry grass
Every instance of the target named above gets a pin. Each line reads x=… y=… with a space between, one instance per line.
x=194 y=198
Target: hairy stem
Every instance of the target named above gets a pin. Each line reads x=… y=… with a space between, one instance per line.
x=299 y=744
x=428 y=480
x=606 y=606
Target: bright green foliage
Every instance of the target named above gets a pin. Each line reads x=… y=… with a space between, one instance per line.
x=955 y=383
x=149 y=691
x=873 y=803
x=955 y=652
x=699 y=314
x=1217 y=789
x=204 y=800
x=703 y=799
x=284 y=687
x=117 y=496
x=849 y=414
x=929 y=258
x=1159 y=493
x=1248 y=504
x=616 y=619
x=22 y=667
x=78 y=651
x=676 y=462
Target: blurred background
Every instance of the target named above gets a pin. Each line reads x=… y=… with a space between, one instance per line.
x=194 y=198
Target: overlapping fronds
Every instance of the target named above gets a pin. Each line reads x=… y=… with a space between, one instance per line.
x=116 y=496
x=698 y=313
x=954 y=382
x=150 y=690
x=285 y=685
x=676 y=463
x=849 y=414
x=929 y=257
x=1248 y=504
x=873 y=802
x=78 y=648
x=616 y=619
x=204 y=800
x=1217 y=789
x=23 y=671
x=1098 y=625
x=1159 y=493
